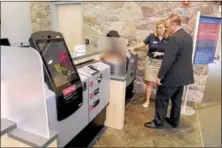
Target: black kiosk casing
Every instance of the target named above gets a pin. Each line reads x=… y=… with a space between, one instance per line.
x=60 y=73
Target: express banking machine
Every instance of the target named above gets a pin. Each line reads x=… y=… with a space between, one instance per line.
x=77 y=109
x=67 y=100
x=60 y=73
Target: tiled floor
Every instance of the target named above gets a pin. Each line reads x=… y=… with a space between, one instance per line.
x=134 y=134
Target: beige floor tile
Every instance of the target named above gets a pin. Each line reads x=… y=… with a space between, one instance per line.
x=112 y=141
x=148 y=134
x=148 y=143
x=131 y=137
x=142 y=144
x=165 y=142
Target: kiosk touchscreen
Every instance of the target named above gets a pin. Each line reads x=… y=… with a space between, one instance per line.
x=60 y=73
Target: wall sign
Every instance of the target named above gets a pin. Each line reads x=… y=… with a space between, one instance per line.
x=207 y=37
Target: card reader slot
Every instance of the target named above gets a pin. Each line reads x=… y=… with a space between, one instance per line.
x=99 y=78
x=84 y=86
x=96 y=91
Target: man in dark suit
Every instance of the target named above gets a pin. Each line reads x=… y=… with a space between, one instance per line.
x=176 y=72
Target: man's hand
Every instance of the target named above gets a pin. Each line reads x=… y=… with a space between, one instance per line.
x=155 y=54
x=158 y=81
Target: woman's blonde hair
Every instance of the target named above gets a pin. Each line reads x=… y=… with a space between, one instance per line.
x=157 y=24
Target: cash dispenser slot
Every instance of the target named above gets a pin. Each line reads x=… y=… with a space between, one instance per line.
x=60 y=72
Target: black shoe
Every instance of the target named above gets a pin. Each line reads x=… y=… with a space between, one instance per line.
x=152 y=124
x=168 y=120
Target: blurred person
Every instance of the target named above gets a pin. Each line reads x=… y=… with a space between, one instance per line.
x=175 y=72
x=114 y=43
x=157 y=43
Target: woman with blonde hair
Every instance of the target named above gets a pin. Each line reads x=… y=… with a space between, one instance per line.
x=157 y=43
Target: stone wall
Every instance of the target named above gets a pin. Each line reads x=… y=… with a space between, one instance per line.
x=40 y=16
x=134 y=21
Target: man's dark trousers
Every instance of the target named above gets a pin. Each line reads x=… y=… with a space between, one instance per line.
x=164 y=94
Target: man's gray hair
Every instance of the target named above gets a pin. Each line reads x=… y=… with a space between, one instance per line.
x=175 y=19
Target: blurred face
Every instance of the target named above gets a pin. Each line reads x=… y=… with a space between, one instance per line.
x=168 y=27
x=173 y=27
x=161 y=29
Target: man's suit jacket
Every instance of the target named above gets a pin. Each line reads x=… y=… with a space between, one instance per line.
x=177 y=67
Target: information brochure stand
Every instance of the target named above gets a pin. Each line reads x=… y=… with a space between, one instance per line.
x=205 y=38
x=187 y=110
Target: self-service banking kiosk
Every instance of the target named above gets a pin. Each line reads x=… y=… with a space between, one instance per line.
x=74 y=97
x=60 y=73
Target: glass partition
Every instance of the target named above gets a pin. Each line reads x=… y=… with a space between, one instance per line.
x=22 y=83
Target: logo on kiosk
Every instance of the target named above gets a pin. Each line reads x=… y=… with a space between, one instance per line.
x=91 y=95
x=91 y=84
x=91 y=107
x=69 y=90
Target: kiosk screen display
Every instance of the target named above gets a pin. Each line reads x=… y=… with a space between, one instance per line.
x=59 y=63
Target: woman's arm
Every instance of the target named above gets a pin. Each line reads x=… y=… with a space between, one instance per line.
x=140 y=45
